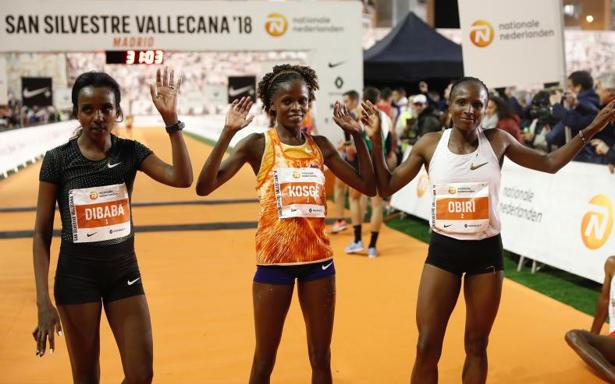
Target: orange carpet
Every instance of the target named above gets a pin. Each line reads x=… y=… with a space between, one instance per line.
x=198 y=284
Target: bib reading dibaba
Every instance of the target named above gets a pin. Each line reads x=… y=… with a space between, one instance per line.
x=99 y=213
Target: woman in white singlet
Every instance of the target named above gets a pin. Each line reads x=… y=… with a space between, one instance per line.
x=464 y=169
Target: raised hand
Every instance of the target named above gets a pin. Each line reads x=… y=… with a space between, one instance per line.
x=342 y=117
x=237 y=115
x=604 y=117
x=370 y=117
x=164 y=95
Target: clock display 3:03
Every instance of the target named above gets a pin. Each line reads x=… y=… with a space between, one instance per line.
x=131 y=57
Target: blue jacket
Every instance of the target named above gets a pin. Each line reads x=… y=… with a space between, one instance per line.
x=588 y=105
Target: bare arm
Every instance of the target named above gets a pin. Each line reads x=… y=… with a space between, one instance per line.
x=48 y=320
x=554 y=161
x=363 y=180
x=216 y=172
x=179 y=174
x=602 y=305
x=391 y=182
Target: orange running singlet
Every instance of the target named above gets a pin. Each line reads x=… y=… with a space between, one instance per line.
x=291 y=223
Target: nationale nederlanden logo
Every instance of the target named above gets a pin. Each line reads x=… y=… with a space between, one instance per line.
x=597 y=223
x=481 y=33
x=276 y=24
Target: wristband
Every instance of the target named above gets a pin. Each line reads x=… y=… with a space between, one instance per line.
x=175 y=127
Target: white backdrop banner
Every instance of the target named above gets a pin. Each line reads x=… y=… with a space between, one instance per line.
x=330 y=33
x=563 y=220
x=505 y=44
x=3 y=82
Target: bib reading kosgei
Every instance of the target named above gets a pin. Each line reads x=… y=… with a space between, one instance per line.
x=99 y=213
x=300 y=192
x=461 y=207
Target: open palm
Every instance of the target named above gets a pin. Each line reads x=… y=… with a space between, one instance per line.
x=164 y=95
x=237 y=115
x=344 y=119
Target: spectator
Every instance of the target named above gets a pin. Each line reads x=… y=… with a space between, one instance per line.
x=428 y=119
x=505 y=117
x=576 y=109
x=539 y=122
x=385 y=104
x=604 y=143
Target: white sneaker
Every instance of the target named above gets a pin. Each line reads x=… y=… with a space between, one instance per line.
x=372 y=252
x=354 y=247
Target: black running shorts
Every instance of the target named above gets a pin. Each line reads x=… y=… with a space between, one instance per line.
x=471 y=257
x=90 y=273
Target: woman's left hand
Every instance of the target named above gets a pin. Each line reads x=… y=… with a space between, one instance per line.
x=344 y=120
x=164 y=95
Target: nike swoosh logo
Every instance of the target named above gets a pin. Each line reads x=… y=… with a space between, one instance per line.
x=234 y=92
x=326 y=266
x=91 y=234
x=447 y=225
x=131 y=282
x=333 y=65
x=113 y=165
x=28 y=93
x=475 y=167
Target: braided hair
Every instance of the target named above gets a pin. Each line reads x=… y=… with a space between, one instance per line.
x=284 y=73
x=467 y=79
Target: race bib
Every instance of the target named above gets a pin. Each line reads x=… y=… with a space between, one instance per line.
x=99 y=213
x=461 y=207
x=300 y=192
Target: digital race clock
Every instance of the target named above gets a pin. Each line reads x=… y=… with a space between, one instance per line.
x=135 y=57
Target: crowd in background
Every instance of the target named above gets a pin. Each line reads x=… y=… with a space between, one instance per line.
x=544 y=120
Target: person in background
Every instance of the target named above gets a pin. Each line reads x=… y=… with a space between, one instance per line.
x=575 y=109
x=505 y=117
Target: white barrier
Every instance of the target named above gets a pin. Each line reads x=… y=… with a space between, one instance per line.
x=563 y=220
x=208 y=127
x=20 y=146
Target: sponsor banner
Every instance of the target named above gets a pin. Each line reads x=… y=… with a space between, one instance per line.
x=4 y=97
x=241 y=86
x=36 y=91
x=563 y=220
x=330 y=34
x=498 y=35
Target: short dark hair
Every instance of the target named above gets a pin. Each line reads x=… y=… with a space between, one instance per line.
x=372 y=94
x=284 y=73
x=503 y=109
x=97 y=80
x=582 y=78
x=352 y=94
x=467 y=79
x=386 y=93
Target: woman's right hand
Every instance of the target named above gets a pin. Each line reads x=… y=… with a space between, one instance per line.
x=237 y=116
x=48 y=323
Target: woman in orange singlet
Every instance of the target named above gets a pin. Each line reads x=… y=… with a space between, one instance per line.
x=291 y=242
